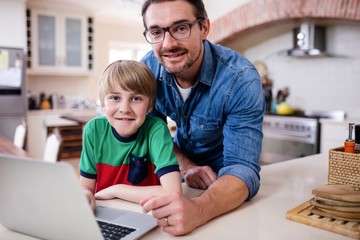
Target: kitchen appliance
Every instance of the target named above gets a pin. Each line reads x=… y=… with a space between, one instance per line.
x=309 y=40
x=12 y=90
x=294 y=136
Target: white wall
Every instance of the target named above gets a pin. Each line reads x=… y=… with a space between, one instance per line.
x=317 y=84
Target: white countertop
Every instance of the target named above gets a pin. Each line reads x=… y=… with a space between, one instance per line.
x=284 y=186
x=346 y=121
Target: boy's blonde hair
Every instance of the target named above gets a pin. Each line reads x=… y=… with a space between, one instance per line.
x=130 y=76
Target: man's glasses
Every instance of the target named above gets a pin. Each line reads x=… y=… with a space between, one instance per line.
x=178 y=31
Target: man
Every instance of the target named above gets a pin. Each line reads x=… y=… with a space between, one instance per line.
x=215 y=97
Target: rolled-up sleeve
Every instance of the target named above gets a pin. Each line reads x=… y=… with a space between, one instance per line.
x=245 y=108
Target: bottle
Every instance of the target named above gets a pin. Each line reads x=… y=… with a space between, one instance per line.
x=45 y=104
x=349 y=144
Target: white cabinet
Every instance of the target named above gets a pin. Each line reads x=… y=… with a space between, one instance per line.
x=59 y=43
x=12 y=23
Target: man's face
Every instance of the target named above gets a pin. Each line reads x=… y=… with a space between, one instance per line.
x=177 y=56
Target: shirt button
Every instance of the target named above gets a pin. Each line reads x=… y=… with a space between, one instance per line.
x=202 y=126
x=184 y=135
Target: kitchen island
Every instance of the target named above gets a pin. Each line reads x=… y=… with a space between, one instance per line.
x=284 y=186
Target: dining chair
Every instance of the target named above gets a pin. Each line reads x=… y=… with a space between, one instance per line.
x=52 y=147
x=20 y=135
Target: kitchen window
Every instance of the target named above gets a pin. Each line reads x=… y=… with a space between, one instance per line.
x=127 y=51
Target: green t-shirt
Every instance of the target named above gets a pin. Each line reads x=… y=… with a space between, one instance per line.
x=139 y=160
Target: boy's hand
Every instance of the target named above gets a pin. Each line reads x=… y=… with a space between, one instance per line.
x=106 y=193
x=91 y=199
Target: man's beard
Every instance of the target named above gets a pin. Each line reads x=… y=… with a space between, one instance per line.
x=175 y=69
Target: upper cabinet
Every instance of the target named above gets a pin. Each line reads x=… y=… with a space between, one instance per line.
x=59 y=43
x=12 y=23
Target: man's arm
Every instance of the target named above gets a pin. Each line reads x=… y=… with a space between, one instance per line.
x=184 y=215
x=224 y=195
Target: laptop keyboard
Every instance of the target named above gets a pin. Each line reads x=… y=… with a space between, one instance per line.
x=112 y=232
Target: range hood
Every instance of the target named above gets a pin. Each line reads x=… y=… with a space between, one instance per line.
x=308 y=41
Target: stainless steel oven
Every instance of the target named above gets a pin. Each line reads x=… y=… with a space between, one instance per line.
x=287 y=138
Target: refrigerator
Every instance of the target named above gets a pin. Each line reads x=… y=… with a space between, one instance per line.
x=12 y=90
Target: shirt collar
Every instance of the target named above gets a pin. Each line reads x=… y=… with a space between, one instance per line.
x=124 y=139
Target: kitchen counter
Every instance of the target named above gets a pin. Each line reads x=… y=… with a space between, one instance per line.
x=82 y=120
x=284 y=186
x=53 y=116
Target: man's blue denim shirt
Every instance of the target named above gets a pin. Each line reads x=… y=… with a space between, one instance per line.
x=220 y=124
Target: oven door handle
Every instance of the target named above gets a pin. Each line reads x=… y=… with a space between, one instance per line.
x=287 y=133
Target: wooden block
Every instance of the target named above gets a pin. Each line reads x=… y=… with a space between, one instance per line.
x=344 y=216
x=337 y=192
x=340 y=208
x=331 y=202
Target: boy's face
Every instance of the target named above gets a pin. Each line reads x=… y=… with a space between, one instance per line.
x=126 y=111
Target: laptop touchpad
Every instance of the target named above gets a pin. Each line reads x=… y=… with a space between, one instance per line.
x=107 y=213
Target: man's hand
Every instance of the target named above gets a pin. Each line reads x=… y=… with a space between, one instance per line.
x=195 y=176
x=174 y=213
x=199 y=176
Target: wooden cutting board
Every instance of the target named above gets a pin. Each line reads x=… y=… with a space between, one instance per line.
x=344 y=216
x=331 y=202
x=340 y=208
x=302 y=214
x=337 y=192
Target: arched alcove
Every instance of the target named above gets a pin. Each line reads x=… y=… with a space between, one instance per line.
x=263 y=19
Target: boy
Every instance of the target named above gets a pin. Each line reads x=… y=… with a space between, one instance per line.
x=127 y=154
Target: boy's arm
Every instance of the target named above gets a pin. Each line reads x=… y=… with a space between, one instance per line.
x=89 y=187
x=170 y=182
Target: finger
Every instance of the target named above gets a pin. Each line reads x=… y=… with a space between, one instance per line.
x=207 y=179
x=198 y=181
x=195 y=182
x=212 y=176
x=191 y=183
x=101 y=195
x=163 y=222
x=145 y=200
x=93 y=204
x=156 y=202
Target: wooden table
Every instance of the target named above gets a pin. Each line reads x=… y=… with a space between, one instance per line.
x=7 y=147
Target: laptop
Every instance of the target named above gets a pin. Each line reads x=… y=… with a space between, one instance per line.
x=46 y=200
